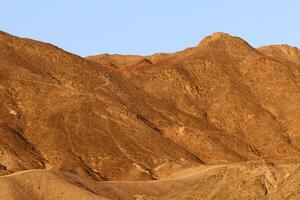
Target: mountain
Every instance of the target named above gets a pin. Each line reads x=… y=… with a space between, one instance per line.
x=77 y=116
x=104 y=126
x=241 y=99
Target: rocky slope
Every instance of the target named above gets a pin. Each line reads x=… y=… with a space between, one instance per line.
x=139 y=118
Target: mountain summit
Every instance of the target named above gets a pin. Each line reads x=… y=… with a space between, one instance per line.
x=234 y=46
x=217 y=36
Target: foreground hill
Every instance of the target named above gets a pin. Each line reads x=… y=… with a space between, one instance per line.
x=251 y=180
x=139 y=118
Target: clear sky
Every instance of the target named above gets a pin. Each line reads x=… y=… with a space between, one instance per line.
x=88 y=27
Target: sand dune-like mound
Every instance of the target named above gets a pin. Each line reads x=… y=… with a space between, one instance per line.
x=251 y=180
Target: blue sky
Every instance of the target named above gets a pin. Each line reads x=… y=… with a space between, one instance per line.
x=88 y=27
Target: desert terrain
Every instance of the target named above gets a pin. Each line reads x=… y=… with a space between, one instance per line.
x=216 y=121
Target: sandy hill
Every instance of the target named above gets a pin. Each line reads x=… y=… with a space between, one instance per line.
x=105 y=126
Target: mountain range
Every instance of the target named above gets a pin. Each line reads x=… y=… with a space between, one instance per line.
x=215 y=121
